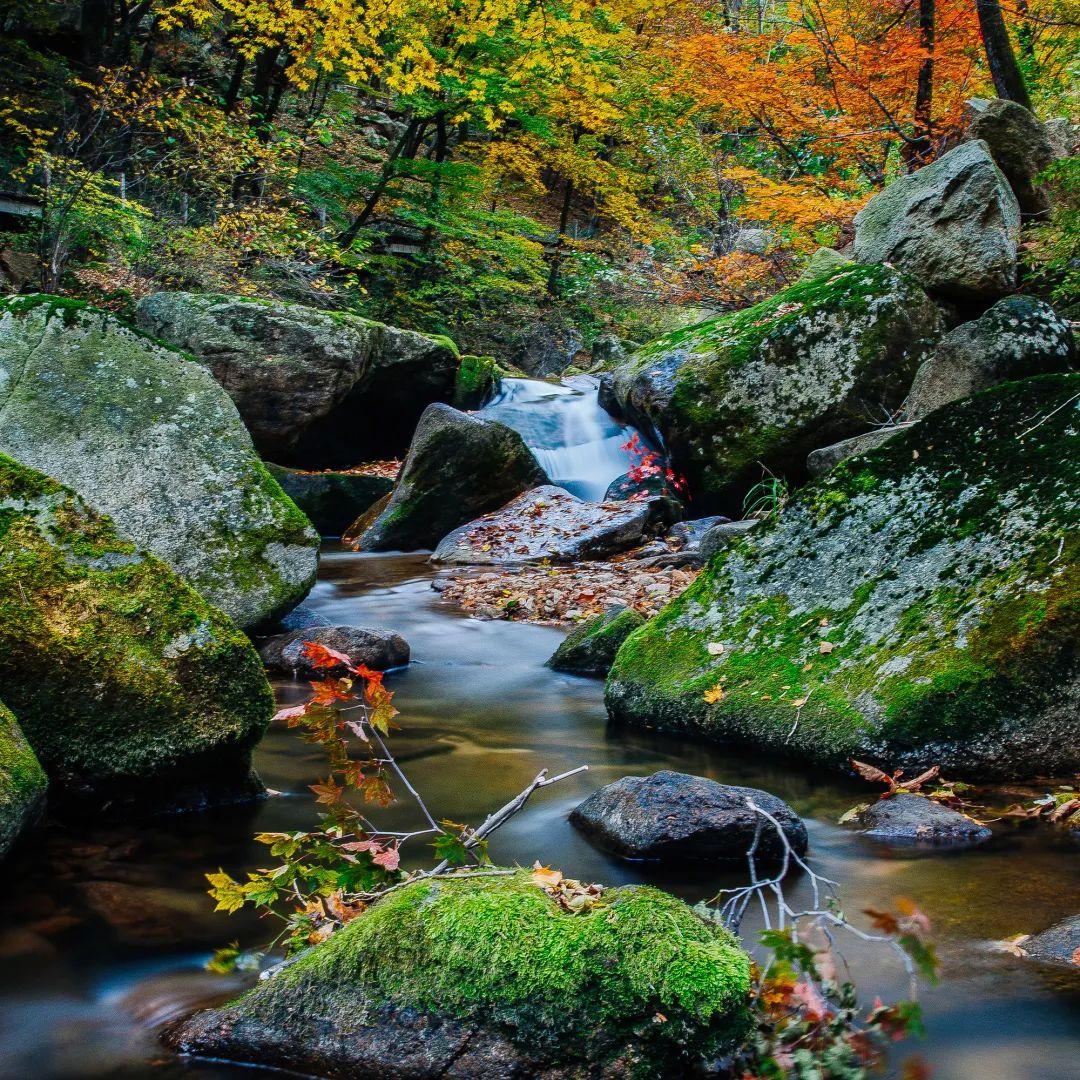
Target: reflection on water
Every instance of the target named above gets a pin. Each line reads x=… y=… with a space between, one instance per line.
x=83 y=951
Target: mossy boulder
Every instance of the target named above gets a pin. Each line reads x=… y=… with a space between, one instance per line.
x=458 y=467
x=917 y=606
x=332 y=501
x=148 y=437
x=765 y=386
x=478 y=381
x=492 y=977
x=590 y=648
x=22 y=781
x=126 y=682
x=317 y=389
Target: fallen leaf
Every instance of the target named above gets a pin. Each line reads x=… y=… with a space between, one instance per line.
x=714 y=695
x=825 y=648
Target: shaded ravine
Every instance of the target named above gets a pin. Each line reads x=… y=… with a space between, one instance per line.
x=480 y=716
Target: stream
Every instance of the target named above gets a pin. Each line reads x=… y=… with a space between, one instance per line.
x=104 y=928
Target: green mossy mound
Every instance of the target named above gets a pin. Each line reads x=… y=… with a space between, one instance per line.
x=127 y=684
x=22 y=781
x=638 y=984
x=812 y=365
x=917 y=606
x=590 y=648
x=478 y=380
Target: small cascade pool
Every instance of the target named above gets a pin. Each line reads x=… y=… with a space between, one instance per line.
x=578 y=444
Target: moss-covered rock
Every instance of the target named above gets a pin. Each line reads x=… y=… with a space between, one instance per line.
x=127 y=684
x=332 y=501
x=22 y=781
x=917 y=606
x=590 y=648
x=317 y=389
x=491 y=977
x=148 y=437
x=812 y=365
x=478 y=381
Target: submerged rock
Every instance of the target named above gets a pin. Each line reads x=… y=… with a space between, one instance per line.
x=458 y=468
x=332 y=501
x=127 y=684
x=148 y=437
x=1058 y=944
x=320 y=389
x=550 y=523
x=491 y=977
x=767 y=385
x=674 y=817
x=590 y=648
x=375 y=648
x=915 y=607
x=954 y=226
x=22 y=782
x=915 y=819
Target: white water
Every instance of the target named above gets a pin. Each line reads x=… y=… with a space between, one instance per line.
x=577 y=443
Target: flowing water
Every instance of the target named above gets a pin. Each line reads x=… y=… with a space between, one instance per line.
x=576 y=442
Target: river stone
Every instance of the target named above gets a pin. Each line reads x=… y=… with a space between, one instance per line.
x=457 y=468
x=126 y=682
x=550 y=523
x=1019 y=144
x=1019 y=336
x=953 y=226
x=22 y=782
x=915 y=819
x=767 y=385
x=332 y=501
x=375 y=648
x=590 y=648
x=149 y=438
x=318 y=389
x=828 y=457
x=674 y=817
x=917 y=606
x=1060 y=943
x=491 y=977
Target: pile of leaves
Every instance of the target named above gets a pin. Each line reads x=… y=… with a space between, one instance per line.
x=571 y=895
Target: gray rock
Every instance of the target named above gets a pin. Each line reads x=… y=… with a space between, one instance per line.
x=1058 y=944
x=722 y=536
x=690 y=533
x=550 y=523
x=953 y=226
x=609 y=349
x=374 y=647
x=22 y=782
x=753 y=241
x=916 y=820
x=766 y=385
x=590 y=648
x=317 y=389
x=674 y=817
x=825 y=261
x=458 y=467
x=628 y=487
x=827 y=458
x=1019 y=144
x=332 y=501
x=1018 y=337
x=1063 y=135
x=149 y=438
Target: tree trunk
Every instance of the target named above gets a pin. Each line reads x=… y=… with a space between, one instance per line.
x=919 y=150
x=556 y=259
x=1008 y=80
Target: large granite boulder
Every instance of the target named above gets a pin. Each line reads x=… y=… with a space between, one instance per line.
x=675 y=817
x=319 y=389
x=493 y=977
x=458 y=467
x=22 y=781
x=954 y=226
x=1019 y=336
x=590 y=648
x=126 y=682
x=375 y=648
x=918 y=606
x=767 y=385
x=332 y=501
x=149 y=438
x=548 y=523
x=1019 y=144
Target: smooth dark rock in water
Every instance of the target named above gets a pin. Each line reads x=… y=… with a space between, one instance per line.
x=915 y=819
x=153 y=915
x=376 y=648
x=675 y=817
x=1059 y=943
x=550 y=523
x=457 y=468
x=331 y=500
x=590 y=648
x=319 y=389
x=491 y=979
x=300 y=618
x=626 y=487
x=22 y=782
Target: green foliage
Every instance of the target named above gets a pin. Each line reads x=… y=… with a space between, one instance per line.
x=1053 y=254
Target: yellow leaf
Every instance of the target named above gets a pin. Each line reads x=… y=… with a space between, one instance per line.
x=714 y=695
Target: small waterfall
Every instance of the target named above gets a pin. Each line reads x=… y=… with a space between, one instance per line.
x=577 y=443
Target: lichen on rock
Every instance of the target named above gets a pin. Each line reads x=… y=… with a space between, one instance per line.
x=22 y=781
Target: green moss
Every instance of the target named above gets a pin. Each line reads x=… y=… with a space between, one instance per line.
x=590 y=648
x=501 y=952
x=477 y=379
x=22 y=781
